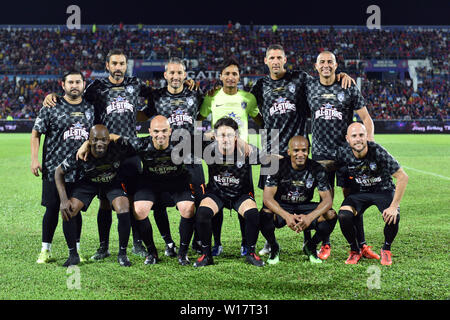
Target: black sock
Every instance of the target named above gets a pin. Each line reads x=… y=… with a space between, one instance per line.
x=70 y=233
x=186 y=230
x=216 y=224
x=162 y=222
x=104 y=221
x=390 y=231
x=267 y=227
x=123 y=227
x=79 y=225
x=348 y=228
x=323 y=231
x=134 y=229
x=306 y=236
x=203 y=223
x=251 y=228
x=242 y=227
x=359 y=225
x=49 y=223
x=146 y=232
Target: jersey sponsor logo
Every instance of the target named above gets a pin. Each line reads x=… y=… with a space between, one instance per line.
x=293 y=196
x=119 y=105
x=367 y=181
x=180 y=117
x=76 y=132
x=105 y=177
x=162 y=170
x=282 y=106
x=328 y=112
x=226 y=179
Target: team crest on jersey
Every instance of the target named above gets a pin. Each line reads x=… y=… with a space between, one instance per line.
x=244 y=104
x=116 y=164
x=129 y=89
x=340 y=96
x=309 y=183
x=291 y=88
x=239 y=164
x=88 y=115
x=373 y=166
x=190 y=101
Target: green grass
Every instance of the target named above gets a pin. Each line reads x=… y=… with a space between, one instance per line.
x=420 y=251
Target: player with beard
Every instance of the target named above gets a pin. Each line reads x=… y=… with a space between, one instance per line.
x=332 y=109
x=65 y=128
x=98 y=174
x=369 y=169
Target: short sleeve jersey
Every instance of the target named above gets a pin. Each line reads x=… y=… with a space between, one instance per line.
x=157 y=164
x=97 y=170
x=332 y=110
x=66 y=126
x=180 y=109
x=229 y=176
x=238 y=106
x=373 y=173
x=283 y=107
x=297 y=186
x=116 y=105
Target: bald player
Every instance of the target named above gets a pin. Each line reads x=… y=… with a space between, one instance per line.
x=369 y=169
x=160 y=174
x=287 y=200
x=332 y=108
x=97 y=175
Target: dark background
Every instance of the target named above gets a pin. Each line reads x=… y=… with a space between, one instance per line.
x=213 y=12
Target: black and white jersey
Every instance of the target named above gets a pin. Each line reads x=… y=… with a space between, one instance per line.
x=180 y=109
x=229 y=176
x=116 y=105
x=98 y=170
x=283 y=106
x=332 y=110
x=157 y=164
x=373 y=173
x=66 y=126
x=297 y=186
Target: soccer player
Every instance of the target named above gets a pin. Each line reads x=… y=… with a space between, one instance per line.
x=180 y=105
x=229 y=101
x=332 y=108
x=228 y=186
x=161 y=174
x=115 y=99
x=281 y=98
x=288 y=194
x=65 y=128
x=99 y=174
x=369 y=170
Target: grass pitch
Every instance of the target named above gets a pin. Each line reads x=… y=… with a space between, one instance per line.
x=420 y=251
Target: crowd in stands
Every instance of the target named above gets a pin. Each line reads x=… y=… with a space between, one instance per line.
x=43 y=51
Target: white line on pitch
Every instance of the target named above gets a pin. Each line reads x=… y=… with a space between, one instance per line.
x=427 y=173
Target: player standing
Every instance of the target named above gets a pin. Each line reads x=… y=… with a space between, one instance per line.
x=65 y=127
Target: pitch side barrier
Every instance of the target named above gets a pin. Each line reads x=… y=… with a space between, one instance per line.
x=381 y=126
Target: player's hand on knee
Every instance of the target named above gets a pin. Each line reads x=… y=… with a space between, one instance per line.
x=65 y=208
x=50 y=100
x=390 y=215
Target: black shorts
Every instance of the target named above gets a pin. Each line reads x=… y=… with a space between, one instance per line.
x=129 y=171
x=226 y=202
x=175 y=188
x=363 y=200
x=305 y=208
x=333 y=175
x=50 y=196
x=85 y=191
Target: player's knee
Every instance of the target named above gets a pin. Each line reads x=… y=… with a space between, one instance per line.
x=345 y=216
x=330 y=214
x=141 y=211
x=252 y=215
x=121 y=205
x=204 y=214
x=187 y=210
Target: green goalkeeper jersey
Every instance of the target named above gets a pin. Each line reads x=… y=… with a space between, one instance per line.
x=238 y=106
